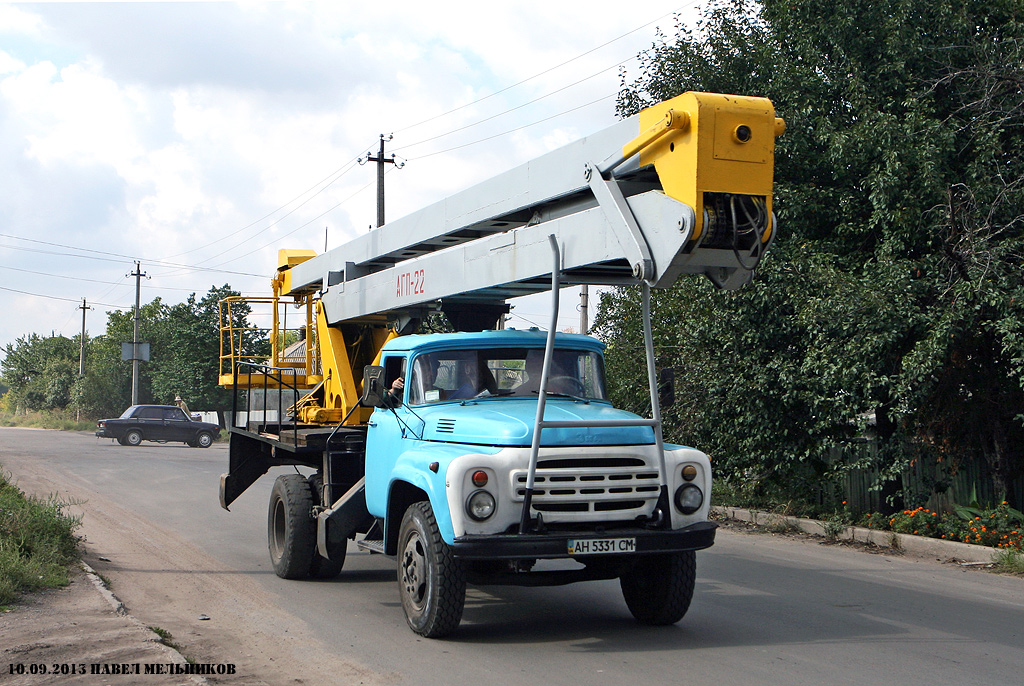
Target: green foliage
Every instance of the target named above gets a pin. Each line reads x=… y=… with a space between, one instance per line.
x=37 y=542
x=998 y=527
x=1009 y=561
x=894 y=287
x=60 y=420
x=184 y=340
x=189 y=362
x=40 y=371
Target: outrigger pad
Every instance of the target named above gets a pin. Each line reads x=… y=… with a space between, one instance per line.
x=245 y=466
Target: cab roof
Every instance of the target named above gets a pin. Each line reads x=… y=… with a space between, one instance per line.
x=504 y=338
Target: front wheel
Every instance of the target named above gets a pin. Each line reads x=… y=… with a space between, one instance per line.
x=291 y=529
x=658 y=588
x=204 y=439
x=431 y=582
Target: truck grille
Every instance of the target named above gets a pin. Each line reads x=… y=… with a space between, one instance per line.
x=593 y=486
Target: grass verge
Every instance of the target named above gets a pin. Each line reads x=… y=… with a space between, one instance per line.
x=37 y=542
x=46 y=420
x=1009 y=562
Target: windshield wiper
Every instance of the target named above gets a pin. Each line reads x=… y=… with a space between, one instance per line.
x=484 y=395
x=585 y=401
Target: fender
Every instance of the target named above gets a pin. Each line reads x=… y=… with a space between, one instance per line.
x=413 y=469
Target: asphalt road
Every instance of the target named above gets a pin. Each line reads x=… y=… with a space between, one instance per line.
x=767 y=610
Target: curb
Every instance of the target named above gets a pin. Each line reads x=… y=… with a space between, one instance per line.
x=119 y=608
x=917 y=545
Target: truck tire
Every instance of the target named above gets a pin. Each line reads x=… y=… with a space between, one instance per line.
x=133 y=437
x=658 y=588
x=321 y=567
x=431 y=582
x=291 y=529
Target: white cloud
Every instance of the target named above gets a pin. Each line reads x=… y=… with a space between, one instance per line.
x=9 y=65
x=17 y=21
x=165 y=131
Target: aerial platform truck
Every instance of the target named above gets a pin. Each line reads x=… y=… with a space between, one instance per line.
x=493 y=455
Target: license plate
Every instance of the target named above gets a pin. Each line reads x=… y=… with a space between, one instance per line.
x=601 y=546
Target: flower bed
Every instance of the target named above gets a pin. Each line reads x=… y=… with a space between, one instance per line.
x=999 y=527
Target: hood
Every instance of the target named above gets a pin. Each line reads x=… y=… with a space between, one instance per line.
x=509 y=422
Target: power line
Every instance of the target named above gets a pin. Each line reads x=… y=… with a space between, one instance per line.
x=327 y=181
x=342 y=171
x=349 y=166
x=82 y=278
x=518 y=128
x=550 y=69
x=106 y=259
x=517 y=107
x=302 y=226
x=530 y=102
x=57 y=297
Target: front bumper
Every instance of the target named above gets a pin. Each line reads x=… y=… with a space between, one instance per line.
x=554 y=545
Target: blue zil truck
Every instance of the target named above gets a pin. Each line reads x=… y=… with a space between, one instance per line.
x=488 y=455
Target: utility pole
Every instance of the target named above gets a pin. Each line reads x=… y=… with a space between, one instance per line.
x=138 y=274
x=81 y=353
x=584 y=303
x=381 y=161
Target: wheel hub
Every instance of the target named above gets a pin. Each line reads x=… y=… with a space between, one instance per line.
x=413 y=571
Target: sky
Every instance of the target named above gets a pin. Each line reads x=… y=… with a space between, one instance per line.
x=198 y=138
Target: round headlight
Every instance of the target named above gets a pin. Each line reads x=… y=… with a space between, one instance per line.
x=480 y=505
x=689 y=498
x=689 y=472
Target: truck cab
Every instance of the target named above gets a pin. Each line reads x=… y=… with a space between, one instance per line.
x=454 y=445
x=462 y=432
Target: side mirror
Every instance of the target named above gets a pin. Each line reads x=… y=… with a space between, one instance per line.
x=373 y=386
x=667 y=387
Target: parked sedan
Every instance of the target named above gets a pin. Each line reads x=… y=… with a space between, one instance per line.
x=160 y=423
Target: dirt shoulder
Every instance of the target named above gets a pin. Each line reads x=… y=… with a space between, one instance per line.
x=73 y=634
x=216 y=615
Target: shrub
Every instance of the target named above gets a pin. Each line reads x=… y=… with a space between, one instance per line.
x=37 y=542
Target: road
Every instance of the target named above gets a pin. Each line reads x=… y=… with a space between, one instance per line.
x=767 y=610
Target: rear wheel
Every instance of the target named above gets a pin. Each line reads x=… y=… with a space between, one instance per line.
x=431 y=582
x=291 y=529
x=133 y=437
x=658 y=588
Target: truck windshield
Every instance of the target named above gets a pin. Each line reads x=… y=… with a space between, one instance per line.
x=504 y=372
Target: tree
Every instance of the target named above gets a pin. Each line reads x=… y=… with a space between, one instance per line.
x=894 y=289
x=40 y=371
x=184 y=340
x=189 y=361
